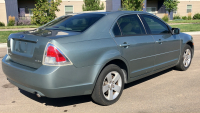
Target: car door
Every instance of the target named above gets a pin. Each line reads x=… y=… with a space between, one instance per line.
x=135 y=45
x=167 y=45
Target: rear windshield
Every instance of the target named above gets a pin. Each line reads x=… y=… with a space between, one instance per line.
x=76 y=23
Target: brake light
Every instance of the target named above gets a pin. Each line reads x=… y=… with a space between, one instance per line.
x=53 y=52
x=54 y=56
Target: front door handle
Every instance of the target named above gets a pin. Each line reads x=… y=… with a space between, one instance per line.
x=125 y=44
x=159 y=42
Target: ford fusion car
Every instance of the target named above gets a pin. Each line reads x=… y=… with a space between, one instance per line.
x=94 y=54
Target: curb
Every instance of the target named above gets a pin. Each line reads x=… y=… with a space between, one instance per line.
x=20 y=29
x=4 y=45
x=193 y=33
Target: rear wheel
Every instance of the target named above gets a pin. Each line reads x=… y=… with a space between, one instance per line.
x=109 y=86
x=185 y=59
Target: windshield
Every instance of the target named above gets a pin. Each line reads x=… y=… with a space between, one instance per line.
x=77 y=23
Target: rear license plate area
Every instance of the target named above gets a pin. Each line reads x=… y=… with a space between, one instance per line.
x=22 y=47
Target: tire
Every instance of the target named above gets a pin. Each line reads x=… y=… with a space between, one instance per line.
x=186 y=59
x=109 y=86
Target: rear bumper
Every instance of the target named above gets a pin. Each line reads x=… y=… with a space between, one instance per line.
x=51 y=81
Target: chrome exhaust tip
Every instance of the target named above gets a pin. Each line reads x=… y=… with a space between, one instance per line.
x=38 y=95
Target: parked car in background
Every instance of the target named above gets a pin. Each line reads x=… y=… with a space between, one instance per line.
x=94 y=54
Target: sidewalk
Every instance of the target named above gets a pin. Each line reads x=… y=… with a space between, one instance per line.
x=193 y=33
x=4 y=45
x=181 y=23
x=22 y=29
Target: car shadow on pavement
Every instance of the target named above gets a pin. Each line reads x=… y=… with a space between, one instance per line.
x=58 y=102
x=67 y=101
x=147 y=78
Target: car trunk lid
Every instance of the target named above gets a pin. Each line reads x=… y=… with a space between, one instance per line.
x=27 y=48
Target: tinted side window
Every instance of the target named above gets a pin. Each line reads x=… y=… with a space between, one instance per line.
x=130 y=25
x=116 y=30
x=156 y=26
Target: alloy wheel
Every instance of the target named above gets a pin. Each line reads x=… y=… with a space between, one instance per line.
x=187 y=57
x=112 y=85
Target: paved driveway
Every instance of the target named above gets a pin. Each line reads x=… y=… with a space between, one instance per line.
x=167 y=91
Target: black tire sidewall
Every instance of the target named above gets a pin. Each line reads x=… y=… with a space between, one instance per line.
x=98 y=88
x=183 y=68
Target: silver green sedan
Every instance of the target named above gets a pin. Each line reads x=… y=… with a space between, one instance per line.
x=94 y=54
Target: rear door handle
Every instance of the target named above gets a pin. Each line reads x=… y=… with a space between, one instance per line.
x=125 y=44
x=159 y=42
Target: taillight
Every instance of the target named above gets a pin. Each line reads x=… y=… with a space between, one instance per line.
x=54 y=56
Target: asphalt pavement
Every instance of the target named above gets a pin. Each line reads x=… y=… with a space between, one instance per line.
x=167 y=91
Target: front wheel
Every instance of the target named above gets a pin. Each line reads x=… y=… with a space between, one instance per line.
x=185 y=59
x=109 y=86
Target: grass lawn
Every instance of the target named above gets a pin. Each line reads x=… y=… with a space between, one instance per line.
x=4 y=35
x=187 y=27
x=18 y=27
x=184 y=21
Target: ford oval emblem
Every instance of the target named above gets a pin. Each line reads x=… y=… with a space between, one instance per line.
x=21 y=36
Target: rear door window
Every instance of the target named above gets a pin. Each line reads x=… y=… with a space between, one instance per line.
x=130 y=25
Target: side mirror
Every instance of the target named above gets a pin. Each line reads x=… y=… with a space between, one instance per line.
x=175 y=31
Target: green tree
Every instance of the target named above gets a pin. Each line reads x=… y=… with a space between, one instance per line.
x=171 y=5
x=132 y=5
x=92 y=5
x=44 y=11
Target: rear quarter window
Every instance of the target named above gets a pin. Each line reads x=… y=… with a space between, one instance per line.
x=116 y=30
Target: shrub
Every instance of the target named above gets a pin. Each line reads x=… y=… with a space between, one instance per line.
x=45 y=11
x=11 y=21
x=92 y=5
x=24 y=21
x=165 y=18
x=176 y=17
x=189 y=16
x=184 y=18
x=2 y=24
x=196 y=16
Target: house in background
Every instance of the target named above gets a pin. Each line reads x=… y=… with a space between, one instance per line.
x=3 y=17
x=155 y=6
x=184 y=7
x=22 y=8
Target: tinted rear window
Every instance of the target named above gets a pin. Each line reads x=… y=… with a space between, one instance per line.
x=77 y=23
